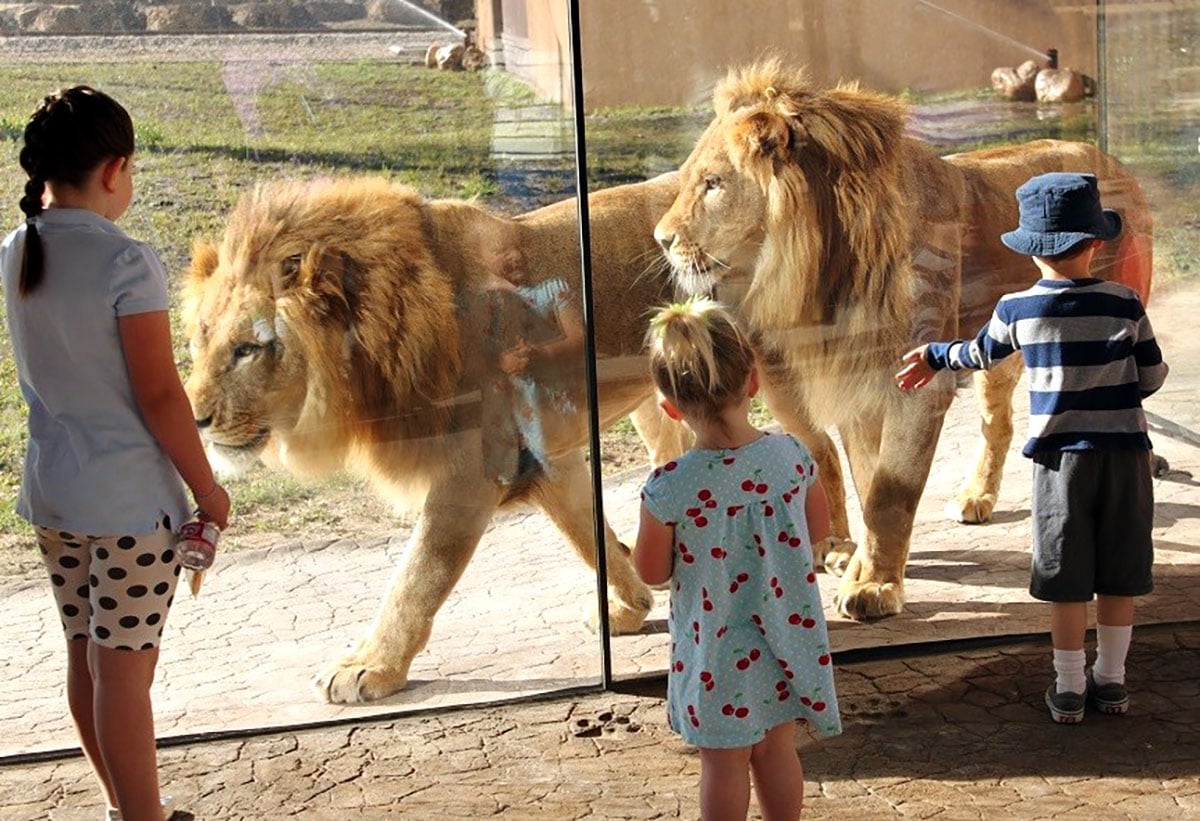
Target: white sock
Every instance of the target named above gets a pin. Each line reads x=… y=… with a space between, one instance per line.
x=1068 y=664
x=1112 y=645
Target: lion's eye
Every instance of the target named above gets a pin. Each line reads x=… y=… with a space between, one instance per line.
x=291 y=265
x=712 y=182
x=246 y=349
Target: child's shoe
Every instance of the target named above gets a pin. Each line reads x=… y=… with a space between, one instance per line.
x=168 y=807
x=1111 y=698
x=1065 y=708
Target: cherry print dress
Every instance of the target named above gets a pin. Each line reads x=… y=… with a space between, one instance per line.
x=749 y=648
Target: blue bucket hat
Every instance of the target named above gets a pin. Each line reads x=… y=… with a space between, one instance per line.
x=1059 y=210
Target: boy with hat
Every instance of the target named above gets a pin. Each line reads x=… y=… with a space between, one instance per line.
x=1092 y=358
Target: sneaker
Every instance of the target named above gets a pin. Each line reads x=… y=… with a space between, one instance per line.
x=1065 y=708
x=1112 y=699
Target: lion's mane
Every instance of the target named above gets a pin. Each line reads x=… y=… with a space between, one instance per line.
x=844 y=142
x=363 y=324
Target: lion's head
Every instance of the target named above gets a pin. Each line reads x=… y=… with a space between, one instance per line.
x=320 y=328
x=800 y=186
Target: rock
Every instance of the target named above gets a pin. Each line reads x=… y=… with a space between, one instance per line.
x=277 y=15
x=105 y=17
x=188 y=17
x=1062 y=85
x=335 y=11
x=1010 y=85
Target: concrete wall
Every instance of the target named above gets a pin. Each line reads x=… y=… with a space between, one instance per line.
x=670 y=52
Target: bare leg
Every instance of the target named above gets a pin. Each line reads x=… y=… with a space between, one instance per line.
x=124 y=724
x=778 y=774
x=81 y=700
x=1115 y=611
x=724 y=784
x=1068 y=623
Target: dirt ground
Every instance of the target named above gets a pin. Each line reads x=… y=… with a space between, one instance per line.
x=336 y=511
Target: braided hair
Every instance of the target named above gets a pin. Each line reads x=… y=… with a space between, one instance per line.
x=699 y=359
x=69 y=134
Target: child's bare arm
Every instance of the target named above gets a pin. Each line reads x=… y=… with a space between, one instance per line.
x=652 y=554
x=816 y=512
x=917 y=372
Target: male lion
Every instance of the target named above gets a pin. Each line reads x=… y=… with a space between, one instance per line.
x=863 y=244
x=336 y=327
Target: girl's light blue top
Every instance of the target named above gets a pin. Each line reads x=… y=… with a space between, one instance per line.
x=92 y=466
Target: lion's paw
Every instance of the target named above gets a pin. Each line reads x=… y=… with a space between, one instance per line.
x=623 y=618
x=834 y=553
x=353 y=681
x=869 y=600
x=971 y=508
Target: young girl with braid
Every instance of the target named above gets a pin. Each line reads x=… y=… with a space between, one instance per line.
x=731 y=524
x=111 y=432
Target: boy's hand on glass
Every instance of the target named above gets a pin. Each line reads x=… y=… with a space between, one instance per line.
x=917 y=372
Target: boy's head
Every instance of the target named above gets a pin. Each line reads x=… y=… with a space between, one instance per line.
x=1060 y=211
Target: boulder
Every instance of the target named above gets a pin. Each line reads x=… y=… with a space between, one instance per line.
x=278 y=16
x=105 y=17
x=1062 y=85
x=188 y=18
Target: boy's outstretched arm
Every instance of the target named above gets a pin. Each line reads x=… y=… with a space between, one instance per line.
x=917 y=372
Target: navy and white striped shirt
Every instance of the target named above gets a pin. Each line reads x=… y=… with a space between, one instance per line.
x=1091 y=355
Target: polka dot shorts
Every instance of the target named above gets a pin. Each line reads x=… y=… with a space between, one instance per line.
x=115 y=590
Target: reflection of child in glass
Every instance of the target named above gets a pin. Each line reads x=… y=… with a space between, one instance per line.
x=1092 y=358
x=731 y=523
x=110 y=429
x=536 y=336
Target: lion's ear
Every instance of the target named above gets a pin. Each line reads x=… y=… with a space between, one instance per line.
x=204 y=260
x=763 y=134
x=332 y=275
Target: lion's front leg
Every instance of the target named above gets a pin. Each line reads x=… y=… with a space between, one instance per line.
x=834 y=551
x=892 y=468
x=456 y=513
x=664 y=438
x=976 y=499
x=565 y=495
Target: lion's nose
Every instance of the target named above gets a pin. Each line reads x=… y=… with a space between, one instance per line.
x=665 y=240
x=204 y=423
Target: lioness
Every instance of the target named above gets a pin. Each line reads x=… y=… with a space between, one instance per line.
x=337 y=327
x=863 y=244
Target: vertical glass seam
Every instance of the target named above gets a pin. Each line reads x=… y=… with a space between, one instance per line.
x=589 y=324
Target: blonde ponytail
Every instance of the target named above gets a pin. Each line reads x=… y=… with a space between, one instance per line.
x=699 y=359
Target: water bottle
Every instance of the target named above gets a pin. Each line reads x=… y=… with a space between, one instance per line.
x=198 y=543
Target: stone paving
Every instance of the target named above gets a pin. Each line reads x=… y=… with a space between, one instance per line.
x=956 y=734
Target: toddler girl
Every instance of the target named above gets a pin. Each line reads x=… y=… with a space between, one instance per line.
x=731 y=524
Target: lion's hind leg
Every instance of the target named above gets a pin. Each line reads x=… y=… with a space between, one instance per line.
x=565 y=495
x=976 y=499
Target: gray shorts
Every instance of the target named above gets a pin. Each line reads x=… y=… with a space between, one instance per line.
x=1092 y=516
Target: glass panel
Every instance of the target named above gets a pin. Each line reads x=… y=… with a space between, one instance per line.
x=389 y=311
x=846 y=225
